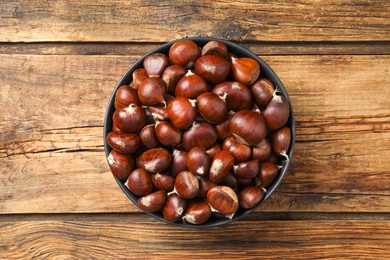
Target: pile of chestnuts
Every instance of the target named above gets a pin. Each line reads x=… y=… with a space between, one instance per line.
x=198 y=133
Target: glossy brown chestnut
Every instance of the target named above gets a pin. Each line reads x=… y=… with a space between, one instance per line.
x=178 y=162
x=163 y=181
x=174 y=207
x=262 y=150
x=158 y=112
x=191 y=86
x=139 y=75
x=221 y=164
x=182 y=112
x=151 y=91
x=184 y=53
x=262 y=91
x=154 y=160
x=241 y=152
x=250 y=196
x=246 y=170
x=153 y=201
x=121 y=165
x=202 y=134
x=215 y=47
x=212 y=107
x=213 y=150
x=280 y=141
x=198 y=162
x=223 y=199
x=212 y=68
x=171 y=75
x=267 y=173
x=155 y=64
x=245 y=70
x=148 y=137
x=197 y=212
x=238 y=96
x=130 y=119
x=186 y=185
x=126 y=95
x=167 y=133
x=126 y=143
x=139 y=182
x=277 y=112
x=248 y=127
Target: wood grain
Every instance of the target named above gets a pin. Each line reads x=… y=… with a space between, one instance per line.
x=160 y=21
x=51 y=146
x=133 y=237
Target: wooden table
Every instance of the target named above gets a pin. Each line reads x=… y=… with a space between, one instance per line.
x=60 y=61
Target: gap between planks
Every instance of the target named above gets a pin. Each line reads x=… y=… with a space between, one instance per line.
x=260 y=48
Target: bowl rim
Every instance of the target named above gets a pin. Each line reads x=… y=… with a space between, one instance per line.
x=266 y=71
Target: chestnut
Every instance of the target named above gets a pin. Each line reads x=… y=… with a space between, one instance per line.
x=280 y=141
x=182 y=112
x=148 y=137
x=220 y=166
x=153 y=202
x=240 y=152
x=174 y=207
x=212 y=68
x=190 y=86
x=154 y=160
x=277 y=112
x=246 y=170
x=130 y=119
x=178 y=162
x=126 y=143
x=155 y=64
x=223 y=130
x=230 y=180
x=197 y=161
x=186 y=185
x=213 y=150
x=163 y=181
x=126 y=95
x=200 y=134
x=223 y=199
x=139 y=75
x=267 y=173
x=238 y=96
x=168 y=134
x=245 y=70
x=212 y=107
x=197 y=212
x=215 y=47
x=139 y=182
x=250 y=196
x=151 y=91
x=262 y=151
x=262 y=91
x=171 y=75
x=121 y=165
x=244 y=122
x=184 y=53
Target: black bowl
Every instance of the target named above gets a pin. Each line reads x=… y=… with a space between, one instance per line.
x=266 y=72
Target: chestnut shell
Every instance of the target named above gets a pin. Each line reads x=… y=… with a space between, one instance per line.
x=266 y=72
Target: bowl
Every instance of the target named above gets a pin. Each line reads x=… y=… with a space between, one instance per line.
x=266 y=72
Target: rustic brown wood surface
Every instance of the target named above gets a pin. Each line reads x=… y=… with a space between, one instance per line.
x=60 y=61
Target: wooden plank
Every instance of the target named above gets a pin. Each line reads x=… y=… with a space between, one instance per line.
x=51 y=147
x=160 y=21
x=133 y=237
